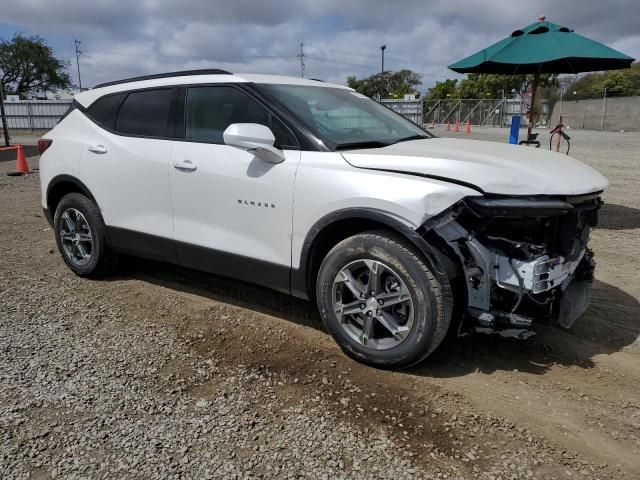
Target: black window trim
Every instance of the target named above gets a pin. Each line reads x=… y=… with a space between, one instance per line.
x=117 y=108
x=307 y=139
x=170 y=114
x=169 y=128
x=181 y=117
x=177 y=112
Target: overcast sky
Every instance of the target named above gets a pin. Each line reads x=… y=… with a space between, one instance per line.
x=124 y=38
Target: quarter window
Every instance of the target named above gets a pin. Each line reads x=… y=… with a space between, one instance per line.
x=103 y=111
x=145 y=113
x=210 y=110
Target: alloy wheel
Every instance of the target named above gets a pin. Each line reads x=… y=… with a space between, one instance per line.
x=372 y=304
x=75 y=236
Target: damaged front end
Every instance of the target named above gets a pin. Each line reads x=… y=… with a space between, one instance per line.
x=523 y=258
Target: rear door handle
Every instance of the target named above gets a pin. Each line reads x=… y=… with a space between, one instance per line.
x=185 y=165
x=99 y=149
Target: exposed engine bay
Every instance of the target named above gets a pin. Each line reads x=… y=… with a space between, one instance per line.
x=523 y=258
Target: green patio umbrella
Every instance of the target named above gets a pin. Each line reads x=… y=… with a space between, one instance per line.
x=543 y=47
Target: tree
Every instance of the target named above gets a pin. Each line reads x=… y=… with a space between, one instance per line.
x=487 y=85
x=619 y=83
x=387 y=84
x=491 y=85
x=28 y=65
x=442 y=90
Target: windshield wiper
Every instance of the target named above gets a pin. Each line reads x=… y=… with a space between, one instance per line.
x=412 y=137
x=364 y=144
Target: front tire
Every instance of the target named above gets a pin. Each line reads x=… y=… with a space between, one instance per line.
x=81 y=237
x=381 y=302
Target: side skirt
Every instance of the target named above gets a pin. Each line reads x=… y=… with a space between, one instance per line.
x=266 y=274
x=143 y=245
x=230 y=265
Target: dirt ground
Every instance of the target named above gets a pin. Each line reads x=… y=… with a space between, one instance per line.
x=563 y=404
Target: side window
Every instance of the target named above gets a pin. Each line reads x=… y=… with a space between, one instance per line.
x=210 y=110
x=103 y=111
x=145 y=113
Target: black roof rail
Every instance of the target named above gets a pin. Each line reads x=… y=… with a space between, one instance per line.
x=317 y=80
x=184 y=73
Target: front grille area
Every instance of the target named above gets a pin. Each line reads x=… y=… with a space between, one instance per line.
x=519 y=254
x=526 y=232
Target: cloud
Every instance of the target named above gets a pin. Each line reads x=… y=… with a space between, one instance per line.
x=123 y=38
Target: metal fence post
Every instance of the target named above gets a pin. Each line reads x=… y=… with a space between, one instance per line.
x=604 y=109
x=3 y=118
x=29 y=115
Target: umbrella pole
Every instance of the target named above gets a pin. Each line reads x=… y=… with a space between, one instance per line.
x=534 y=90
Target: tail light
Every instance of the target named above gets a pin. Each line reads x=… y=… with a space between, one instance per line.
x=43 y=144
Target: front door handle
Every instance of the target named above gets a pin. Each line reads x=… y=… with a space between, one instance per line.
x=185 y=165
x=99 y=149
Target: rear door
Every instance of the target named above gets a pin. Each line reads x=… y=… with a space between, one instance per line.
x=232 y=210
x=125 y=165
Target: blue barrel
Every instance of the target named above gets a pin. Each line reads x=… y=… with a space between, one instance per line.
x=515 y=130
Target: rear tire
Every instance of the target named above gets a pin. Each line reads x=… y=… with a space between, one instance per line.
x=381 y=302
x=81 y=237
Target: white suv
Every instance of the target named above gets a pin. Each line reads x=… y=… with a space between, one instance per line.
x=315 y=190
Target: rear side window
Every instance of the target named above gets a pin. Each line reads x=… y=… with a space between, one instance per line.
x=210 y=110
x=103 y=111
x=145 y=113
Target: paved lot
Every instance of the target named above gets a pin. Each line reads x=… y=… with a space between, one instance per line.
x=163 y=372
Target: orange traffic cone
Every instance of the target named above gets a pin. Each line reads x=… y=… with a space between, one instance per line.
x=448 y=126
x=456 y=127
x=21 y=162
x=468 y=127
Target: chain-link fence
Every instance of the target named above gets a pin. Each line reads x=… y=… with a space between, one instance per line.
x=410 y=109
x=35 y=114
x=484 y=111
x=45 y=114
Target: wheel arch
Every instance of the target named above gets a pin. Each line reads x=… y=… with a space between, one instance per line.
x=59 y=186
x=336 y=226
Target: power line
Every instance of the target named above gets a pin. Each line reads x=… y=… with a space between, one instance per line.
x=157 y=54
x=239 y=59
x=338 y=62
x=301 y=56
x=352 y=54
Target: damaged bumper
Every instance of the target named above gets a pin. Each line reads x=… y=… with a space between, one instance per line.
x=523 y=260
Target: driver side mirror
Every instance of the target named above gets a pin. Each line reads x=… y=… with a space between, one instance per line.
x=255 y=138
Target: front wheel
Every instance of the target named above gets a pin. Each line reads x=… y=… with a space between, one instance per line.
x=381 y=301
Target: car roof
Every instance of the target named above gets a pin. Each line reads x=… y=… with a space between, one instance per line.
x=86 y=98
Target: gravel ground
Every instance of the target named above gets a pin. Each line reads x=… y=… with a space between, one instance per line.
x=164 y=372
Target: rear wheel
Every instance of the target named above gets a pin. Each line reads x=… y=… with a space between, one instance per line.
x=81 y=236
x=380 y=301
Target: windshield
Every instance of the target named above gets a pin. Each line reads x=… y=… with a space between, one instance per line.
x=343 y=118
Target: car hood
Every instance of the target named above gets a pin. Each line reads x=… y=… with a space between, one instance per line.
x=489 y=166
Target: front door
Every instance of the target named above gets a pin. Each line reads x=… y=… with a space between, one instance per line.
x=232 y=210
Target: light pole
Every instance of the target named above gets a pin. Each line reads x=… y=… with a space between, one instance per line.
x=3 y=114
x=78 y=52
x=382 y=79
